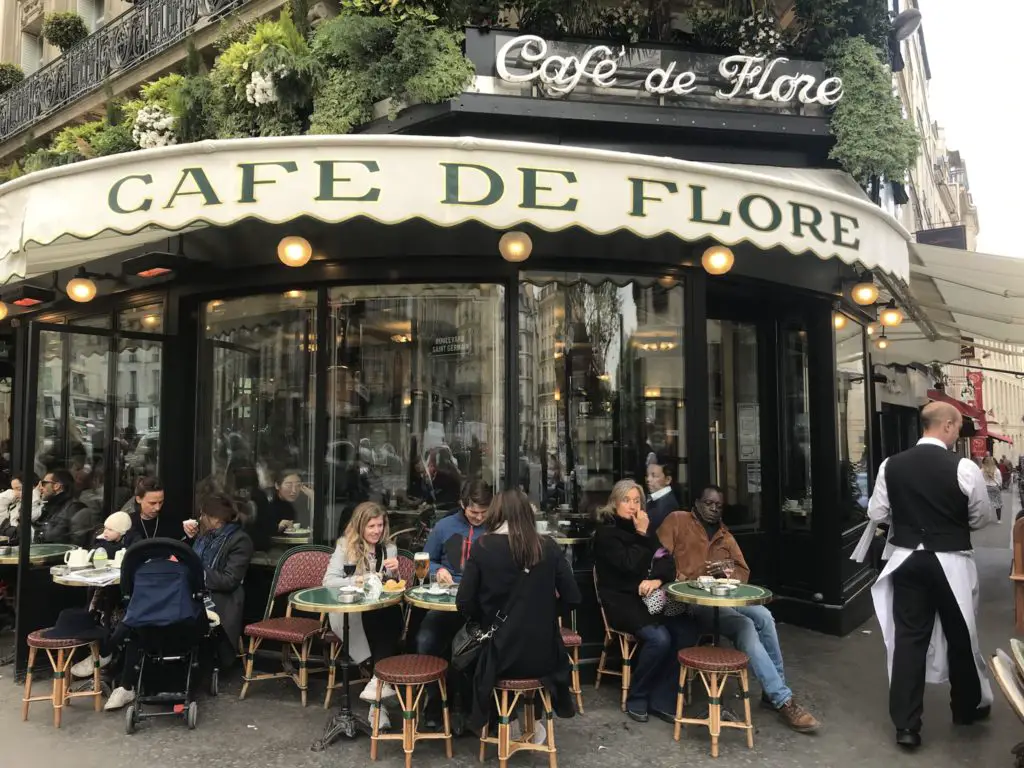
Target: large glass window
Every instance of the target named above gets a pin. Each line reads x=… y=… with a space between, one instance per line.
x=258 y=376
x=415 y=397
x=601 y=387
x=851 y=411
x=795 y=425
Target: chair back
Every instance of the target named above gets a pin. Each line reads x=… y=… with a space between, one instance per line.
x=301 y=567
x=597 y=593
x=406 y=568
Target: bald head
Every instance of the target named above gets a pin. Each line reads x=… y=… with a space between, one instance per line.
x=941 y=421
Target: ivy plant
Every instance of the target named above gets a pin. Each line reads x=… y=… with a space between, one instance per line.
x=64 y=30
x=10 y=76
x=873 y=139
x=824 y=24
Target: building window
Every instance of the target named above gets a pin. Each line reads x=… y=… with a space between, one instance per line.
x=31 y=53
x=851 y=432
x=795 y=426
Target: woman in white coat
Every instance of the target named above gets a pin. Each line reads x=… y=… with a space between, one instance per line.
x=366 y=549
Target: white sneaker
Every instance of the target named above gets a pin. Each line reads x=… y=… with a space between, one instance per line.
x=540 y=733
x=385 y=721
x=119 y=698
x=369 y=693
x=84 y=667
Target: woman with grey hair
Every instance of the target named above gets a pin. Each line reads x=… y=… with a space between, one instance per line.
x=630 y=565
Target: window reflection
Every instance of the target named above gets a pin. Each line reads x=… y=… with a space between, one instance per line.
x=260 y=384
x=601 y=388
x=415 y=397
x=137 y=435
x=851 y=409
x=146 y=319
x=796 y=432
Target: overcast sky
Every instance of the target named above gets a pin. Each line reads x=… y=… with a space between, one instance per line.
x=975 y=54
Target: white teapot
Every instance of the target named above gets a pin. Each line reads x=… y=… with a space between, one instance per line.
x=76 y=558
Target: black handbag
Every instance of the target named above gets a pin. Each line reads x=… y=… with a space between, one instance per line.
x=471 y=638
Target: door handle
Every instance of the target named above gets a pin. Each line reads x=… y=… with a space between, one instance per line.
x=717 y=437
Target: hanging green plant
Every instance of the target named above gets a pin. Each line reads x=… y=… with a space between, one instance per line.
x=872 y=137
x=396 y=10
x=64 y=30
x=10 y=76
x=823 y=24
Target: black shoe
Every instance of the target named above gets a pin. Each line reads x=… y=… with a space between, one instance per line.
x=978 y=715
x=908 y=739
x=640 y=717
x=664 y=716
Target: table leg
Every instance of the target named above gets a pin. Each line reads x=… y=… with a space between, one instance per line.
x=344 y=722
x=716 y=632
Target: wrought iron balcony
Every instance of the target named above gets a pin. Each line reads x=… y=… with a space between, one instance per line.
x=134 y=37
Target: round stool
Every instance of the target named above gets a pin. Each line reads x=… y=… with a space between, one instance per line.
x=507 y=695
x=410 y=674
x=60 y=653
x=572 y=642
x=714 y=666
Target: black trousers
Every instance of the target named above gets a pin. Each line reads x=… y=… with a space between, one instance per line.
x=920 y=593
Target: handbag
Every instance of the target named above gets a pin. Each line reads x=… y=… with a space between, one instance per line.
x=470 y=640
x=658 y=601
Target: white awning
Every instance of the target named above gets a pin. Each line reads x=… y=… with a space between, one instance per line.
x=965 y=293
x=81 y=212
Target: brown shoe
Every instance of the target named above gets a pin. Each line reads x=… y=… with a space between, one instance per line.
x=798 y=718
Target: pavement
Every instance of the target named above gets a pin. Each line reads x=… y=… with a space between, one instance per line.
x=842 y=680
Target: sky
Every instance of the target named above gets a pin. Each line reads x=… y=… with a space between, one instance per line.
x=975 y=94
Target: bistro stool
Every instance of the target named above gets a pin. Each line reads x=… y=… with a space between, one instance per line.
x=572 y=642
x=60 y=653
x=507 y=694
x=714 y=666
x=410 y=675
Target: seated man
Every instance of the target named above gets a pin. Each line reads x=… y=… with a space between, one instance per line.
x=696 y=540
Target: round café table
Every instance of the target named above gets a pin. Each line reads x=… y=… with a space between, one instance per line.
x=743 y=595
x=38 y=554
x=321 y=600
x=422 y=598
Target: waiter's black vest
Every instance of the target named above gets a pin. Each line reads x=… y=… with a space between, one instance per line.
x=927 y=504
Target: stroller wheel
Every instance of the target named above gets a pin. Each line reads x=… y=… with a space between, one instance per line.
x=214 y=683
x=192 y=715
x=130 y=720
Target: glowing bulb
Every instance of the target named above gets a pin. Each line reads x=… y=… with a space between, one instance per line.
x=515 y=246
x=882 y=343
x=150 y=321
x=891 y=316
x=81 y=289
x=717 y=260
x=3 y=311
x=864 y=293
x=294 y=251
x=667 y=281
x=839 y=321
x=871 y=329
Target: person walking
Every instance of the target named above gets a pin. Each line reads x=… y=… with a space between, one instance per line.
x=993 y=485
x=932 y=500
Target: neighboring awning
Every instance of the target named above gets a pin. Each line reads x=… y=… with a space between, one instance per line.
x=81 y=212
x=967 y=410
x=985 y=432
x=965 y=293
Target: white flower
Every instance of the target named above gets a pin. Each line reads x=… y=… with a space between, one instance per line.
x=154 y=127
x=261 y=89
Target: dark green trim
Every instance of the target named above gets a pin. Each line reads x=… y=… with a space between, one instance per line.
x=714 y=700
x=410 y=715
x=504 y=720
x=58 y=675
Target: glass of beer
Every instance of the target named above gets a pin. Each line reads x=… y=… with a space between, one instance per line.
x=421 y=561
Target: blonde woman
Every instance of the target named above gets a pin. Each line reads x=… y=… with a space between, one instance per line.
x=365 y=547
x=631 y=564
x=994 y=485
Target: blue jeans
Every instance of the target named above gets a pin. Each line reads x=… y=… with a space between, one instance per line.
x=655 y=675
x=752 y=630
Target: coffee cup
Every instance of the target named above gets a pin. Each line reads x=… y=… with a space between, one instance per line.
x=542 y=526
x=118 y=557
x=76 y=558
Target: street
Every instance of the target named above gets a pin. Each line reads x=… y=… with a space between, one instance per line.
x=842 y=680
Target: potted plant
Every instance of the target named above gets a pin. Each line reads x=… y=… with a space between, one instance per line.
x=64 y=30
x=10 y=76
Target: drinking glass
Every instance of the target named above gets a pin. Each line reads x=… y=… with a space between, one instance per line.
x=350 y=570
x=421 y=561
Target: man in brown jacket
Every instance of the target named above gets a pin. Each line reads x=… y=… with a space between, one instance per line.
x=701 y=544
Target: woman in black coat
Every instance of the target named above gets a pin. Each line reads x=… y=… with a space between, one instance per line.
x=226 y=552
x=528 y=644
x=630 y=564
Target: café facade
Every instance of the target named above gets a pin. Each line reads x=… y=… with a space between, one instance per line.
x=578 y=265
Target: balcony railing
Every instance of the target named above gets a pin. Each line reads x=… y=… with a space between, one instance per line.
x=134 y=37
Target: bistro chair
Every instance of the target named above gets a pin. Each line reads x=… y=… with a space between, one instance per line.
x=627 y=647
x=301 y=567
x=573 y=641
x=714 y=666
x=60 y=653
x=507 y=696
x=410 y=674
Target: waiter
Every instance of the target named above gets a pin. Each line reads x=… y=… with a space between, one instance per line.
x=932 y=500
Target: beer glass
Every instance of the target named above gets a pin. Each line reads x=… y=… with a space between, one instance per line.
x=421 y=561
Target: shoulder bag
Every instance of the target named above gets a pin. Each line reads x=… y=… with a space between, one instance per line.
x=471 y=638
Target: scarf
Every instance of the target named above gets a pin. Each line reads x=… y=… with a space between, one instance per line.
x=209 y=545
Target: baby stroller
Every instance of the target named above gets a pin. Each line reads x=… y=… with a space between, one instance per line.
x=162 y=583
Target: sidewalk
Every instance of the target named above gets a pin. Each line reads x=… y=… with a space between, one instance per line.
x=842 y=680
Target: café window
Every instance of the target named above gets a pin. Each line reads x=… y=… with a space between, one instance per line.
x=851 y=412
x=795 y=426
x=601 y=387
x=415 y=397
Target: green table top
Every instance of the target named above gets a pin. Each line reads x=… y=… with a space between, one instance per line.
x=423 y=599
x=325 y=600
x=744 y=594
x=39 y=554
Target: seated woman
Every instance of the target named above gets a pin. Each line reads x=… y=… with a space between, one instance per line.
x=627 y=570
x=374 y=634
x=523 y=575
x=292 y=502
x=226 y=552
